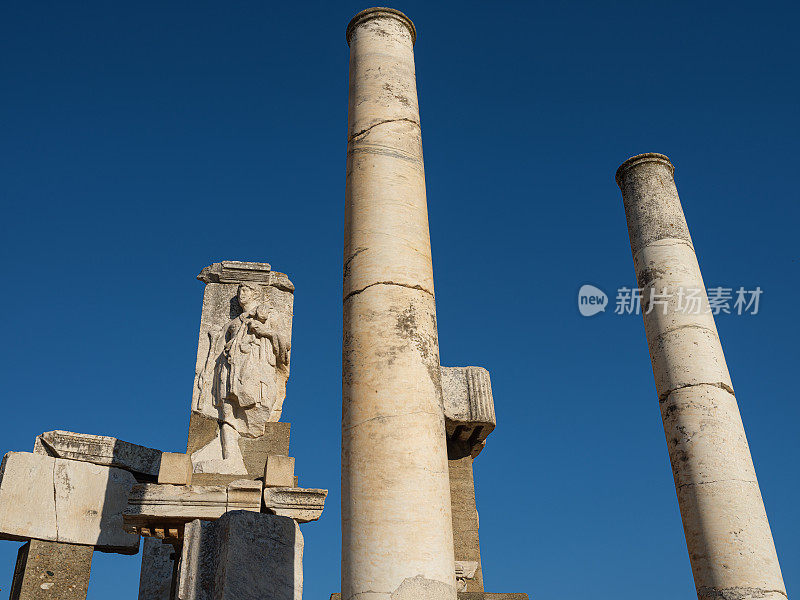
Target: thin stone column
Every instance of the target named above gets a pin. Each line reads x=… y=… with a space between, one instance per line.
x=727 y=534
x=397 y=536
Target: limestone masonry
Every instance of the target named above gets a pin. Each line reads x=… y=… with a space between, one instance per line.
x=222 y=520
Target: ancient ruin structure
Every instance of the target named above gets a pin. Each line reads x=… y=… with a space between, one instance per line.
x=222 y=520
x=218 y=522
x=727 y=533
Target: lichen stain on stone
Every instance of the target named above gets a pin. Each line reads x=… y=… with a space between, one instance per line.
x=426 y=345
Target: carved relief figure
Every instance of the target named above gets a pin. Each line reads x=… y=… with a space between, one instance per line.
x=243 y=382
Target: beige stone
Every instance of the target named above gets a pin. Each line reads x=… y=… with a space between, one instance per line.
x=59 y=500
x=301 y=504
x=175 y=468
x=279 y=471
x=396 y=520
x=727 y=533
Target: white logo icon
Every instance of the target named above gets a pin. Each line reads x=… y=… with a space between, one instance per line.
x=591 y=300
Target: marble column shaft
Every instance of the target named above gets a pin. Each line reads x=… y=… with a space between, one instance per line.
x=727 y=534
x=397 y=537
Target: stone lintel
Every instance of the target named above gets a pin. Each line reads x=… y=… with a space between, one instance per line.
x=162 y=510
x=104 y=450
x=301 y=504
x=234 y=271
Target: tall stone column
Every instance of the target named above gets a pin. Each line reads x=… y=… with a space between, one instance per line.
x=397 y=536
x=727 y=534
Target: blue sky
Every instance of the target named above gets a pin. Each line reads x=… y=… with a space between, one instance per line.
x=143 y=141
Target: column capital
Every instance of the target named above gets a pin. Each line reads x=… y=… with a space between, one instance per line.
x=376 y=13
x=639 y=159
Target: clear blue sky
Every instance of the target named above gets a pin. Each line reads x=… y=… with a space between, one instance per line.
x=142 y=141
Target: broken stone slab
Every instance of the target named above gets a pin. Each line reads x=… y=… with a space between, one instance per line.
x=301 y=504
x=159 y=562
x=101 y=450
x=162 y=510
x=468 y=409
x=236 y=271
x=242 y=556
x=52 y=571
x=58 y=500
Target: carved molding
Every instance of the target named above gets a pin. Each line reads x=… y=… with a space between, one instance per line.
x=235 y=271
x=468 y=409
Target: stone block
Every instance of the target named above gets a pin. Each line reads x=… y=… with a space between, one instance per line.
x=159 y=563
x=301 y=504
x=242 y=556
x=279 y=471
x=468 y=409
x=203 y=430
x=175 y=469
x=101 y=450
x=59 y=500
x=51 y=571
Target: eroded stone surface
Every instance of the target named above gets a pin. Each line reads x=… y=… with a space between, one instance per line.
x=52 y=571
x=242 y=556
x=396 y=520
x=104 y=450
x=153 y=506
x=468 y=409
x=158 y=570
x=242 y=360
x=301 y=504
x=727 y=533
x=466 y=542
x=59 y=500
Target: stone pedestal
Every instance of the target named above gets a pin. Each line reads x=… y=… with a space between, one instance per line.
x=727 y=534
x=242 y=556
x=51 y=571
x=397 y=537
